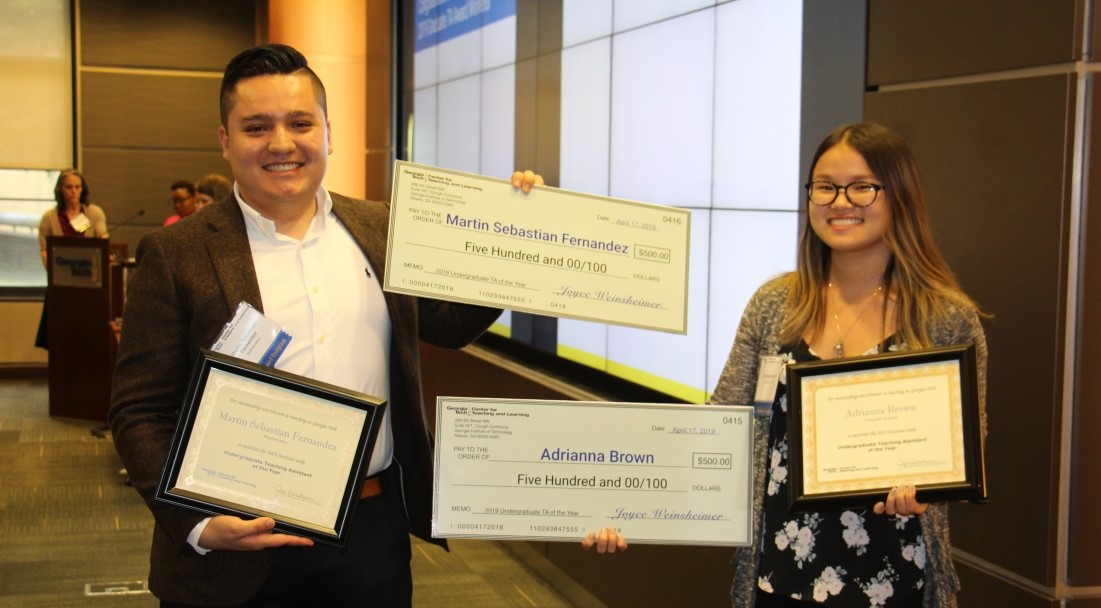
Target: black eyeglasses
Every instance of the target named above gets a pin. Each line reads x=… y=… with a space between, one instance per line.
x=860 y=194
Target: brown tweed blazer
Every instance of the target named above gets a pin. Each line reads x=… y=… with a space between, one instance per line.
x=188 y=281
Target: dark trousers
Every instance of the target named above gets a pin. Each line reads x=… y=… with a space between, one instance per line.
x=371 y=571
x=43 y=334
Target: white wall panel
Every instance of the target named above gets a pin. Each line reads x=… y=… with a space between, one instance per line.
x=585 y=20
x=662 y=92
x=460 y=56
x=636 y=13
x=424 y=126
x=586 y=120
x=757 y=104
x=498 y=122
x=459 y=128
x=426 y=67
x=499 y=44
x=747 y=248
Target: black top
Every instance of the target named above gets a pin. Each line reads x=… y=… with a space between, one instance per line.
x=851 y=558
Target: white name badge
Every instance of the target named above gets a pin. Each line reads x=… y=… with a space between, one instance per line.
x=80 y=223
x=768 y=375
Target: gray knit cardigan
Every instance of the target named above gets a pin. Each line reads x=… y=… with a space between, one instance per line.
x=759 y=334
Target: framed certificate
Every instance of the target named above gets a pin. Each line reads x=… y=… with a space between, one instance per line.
x=253 y=441
x=860 y=426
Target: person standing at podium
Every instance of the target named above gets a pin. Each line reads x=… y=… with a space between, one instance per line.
x=73 y=216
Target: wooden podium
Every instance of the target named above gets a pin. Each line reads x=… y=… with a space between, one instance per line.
x=82 y=300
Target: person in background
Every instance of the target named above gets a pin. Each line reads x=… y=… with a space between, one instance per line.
x=72 y=216
x=210 y=189
x=183 y=200
x=869 y=279
x=312 y=261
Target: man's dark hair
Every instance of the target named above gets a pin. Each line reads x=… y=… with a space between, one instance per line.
x=266 y=60
x=185 y=184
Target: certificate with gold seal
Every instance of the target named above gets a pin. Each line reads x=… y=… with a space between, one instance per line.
x=860 y=426
x=553 y=470
x=475 y=239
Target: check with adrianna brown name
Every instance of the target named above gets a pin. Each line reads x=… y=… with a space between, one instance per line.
x=554 y=470
x=475 y=239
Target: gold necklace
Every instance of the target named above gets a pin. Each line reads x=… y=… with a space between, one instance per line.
x=839 y=347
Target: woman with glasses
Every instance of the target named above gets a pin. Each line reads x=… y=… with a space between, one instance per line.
x=869 y=279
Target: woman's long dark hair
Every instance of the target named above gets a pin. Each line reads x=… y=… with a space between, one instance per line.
x=917 y=271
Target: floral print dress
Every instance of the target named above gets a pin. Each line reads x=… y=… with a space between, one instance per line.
x=844 y=558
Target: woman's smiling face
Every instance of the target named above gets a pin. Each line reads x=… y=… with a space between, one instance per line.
x=842 y=226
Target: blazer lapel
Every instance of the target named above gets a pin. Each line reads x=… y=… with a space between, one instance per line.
x=369 y=230
x=231 y=255
x=364 y=234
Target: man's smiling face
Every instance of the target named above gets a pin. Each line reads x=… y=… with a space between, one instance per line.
x=276 y=140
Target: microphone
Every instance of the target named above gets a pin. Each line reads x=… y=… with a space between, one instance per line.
x=126 y=221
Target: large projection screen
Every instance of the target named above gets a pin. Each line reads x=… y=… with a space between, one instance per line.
x=688 y=103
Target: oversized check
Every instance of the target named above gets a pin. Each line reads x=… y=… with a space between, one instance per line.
x=474 y=239
x=554 y=470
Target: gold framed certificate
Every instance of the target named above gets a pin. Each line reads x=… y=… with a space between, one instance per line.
x=253 y=441
x=861 y=426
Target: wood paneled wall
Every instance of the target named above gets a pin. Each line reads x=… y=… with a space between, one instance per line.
x=996 y=104
x=147 y=78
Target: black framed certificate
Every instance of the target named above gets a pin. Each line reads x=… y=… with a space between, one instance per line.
x=861 y=426
x=253 y=441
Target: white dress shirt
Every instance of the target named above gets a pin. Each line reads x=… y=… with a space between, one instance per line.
x=323 y=292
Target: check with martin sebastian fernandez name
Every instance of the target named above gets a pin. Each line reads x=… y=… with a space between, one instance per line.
x=477 y=240
x=554 y=470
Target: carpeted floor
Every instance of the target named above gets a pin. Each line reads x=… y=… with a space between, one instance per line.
x=73 y=534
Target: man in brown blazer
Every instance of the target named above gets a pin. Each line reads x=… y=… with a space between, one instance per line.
x=312 y=261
